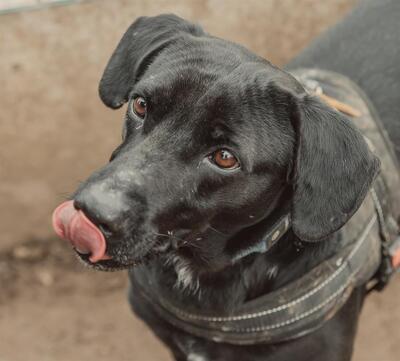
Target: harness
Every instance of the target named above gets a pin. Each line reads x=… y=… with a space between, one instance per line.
x=304 y=305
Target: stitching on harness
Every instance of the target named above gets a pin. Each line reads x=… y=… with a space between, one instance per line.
x=301 y=316
x=292 y=303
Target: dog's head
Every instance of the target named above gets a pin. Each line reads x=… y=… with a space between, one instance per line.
x=215 y=141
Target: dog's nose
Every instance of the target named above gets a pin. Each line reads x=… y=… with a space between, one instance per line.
x=104 y=206
x=91 y=220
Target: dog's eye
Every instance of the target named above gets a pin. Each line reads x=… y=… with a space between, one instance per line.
x=139 y=107
x=224 y=159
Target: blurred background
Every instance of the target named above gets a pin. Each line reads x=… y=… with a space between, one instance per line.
x=54 y=131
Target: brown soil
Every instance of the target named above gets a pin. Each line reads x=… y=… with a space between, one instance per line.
x=52 y=308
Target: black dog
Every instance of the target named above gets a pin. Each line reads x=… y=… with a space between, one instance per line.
x=217 y=143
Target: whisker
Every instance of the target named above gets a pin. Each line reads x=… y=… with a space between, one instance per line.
x=161 y=234
x=216 y=230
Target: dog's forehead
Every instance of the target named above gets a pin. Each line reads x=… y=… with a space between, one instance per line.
x=198 y=64
x=174 y=85
x=191 y=87
x=209 y=68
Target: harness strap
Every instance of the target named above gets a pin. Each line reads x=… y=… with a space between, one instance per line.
x=290 y=312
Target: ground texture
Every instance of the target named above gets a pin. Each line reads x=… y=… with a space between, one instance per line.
x=54 y=309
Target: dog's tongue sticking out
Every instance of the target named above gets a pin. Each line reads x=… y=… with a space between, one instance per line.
x=74 y=226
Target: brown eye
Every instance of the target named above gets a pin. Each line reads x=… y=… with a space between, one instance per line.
x=139 y=107
x=224 y=159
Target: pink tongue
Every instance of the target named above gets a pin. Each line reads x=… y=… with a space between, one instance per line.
x=74 y=226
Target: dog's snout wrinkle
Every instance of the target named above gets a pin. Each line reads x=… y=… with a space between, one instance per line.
x=128 y=176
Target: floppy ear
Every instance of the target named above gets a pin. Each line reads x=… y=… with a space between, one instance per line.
x=143 y=40
x=333 y=170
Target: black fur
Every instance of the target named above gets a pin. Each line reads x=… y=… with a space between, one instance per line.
x=161 y=199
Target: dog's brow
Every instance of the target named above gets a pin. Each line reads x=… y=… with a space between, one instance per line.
x=144 y=89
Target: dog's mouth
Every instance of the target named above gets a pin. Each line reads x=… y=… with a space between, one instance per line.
x=108 y=265
x=111 y=264
x=89 y=242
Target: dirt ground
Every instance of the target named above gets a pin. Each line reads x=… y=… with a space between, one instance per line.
x=51 y=307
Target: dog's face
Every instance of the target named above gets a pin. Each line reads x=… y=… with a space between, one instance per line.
x=215 y=140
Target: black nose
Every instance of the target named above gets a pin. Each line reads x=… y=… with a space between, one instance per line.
x=105 y=207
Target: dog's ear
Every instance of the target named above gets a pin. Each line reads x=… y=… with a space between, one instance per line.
x=143 y=40
x=333 y=169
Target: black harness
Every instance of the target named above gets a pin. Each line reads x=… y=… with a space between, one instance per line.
x=305 y=304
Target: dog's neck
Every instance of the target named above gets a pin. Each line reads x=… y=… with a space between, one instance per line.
x=250 y=277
